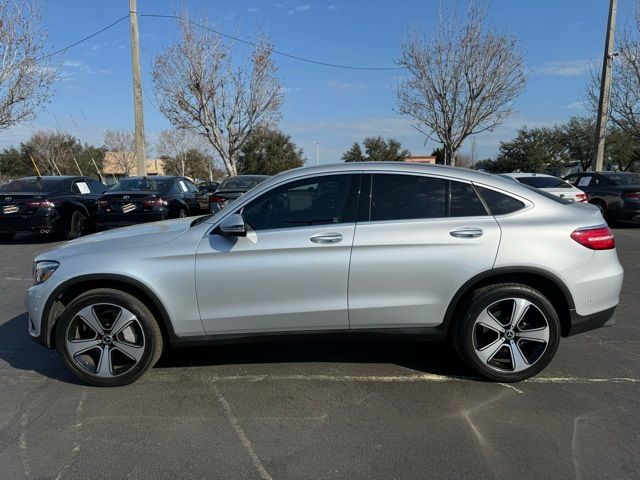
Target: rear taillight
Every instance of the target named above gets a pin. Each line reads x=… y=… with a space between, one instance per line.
x=634 y=195
x=154 y=202
x=595 y=238
x=217 y=199
x=39 y=204
x=102 y=204
x=582 y=197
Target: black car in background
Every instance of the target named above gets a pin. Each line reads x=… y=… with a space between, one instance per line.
x=616 y=194
x=59 y=205
x=232 y=187
x=149 y=199
x=209 y=186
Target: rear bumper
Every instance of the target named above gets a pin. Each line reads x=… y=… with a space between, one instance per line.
x=107 y=221
x=29 y=223
x=584 y=323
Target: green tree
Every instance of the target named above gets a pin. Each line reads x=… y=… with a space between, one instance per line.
x=439 y=154
x=14 y=163
x=577 y=136
x=267 y=152
x=533 y=150
x=622 y=150
x=377 y=149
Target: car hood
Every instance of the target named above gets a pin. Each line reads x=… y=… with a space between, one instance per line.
x=146 y=234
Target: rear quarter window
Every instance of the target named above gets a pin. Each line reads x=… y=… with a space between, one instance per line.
x=499 y=203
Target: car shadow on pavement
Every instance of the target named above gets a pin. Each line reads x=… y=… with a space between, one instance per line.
x=437 y=358
x=22 y=353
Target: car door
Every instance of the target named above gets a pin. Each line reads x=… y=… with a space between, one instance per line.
x=421 y=240
x=188 y=196
x=201 y=204
x=291 y=270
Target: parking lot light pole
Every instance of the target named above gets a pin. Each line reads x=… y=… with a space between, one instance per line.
x=605 y=90
x=137 y=89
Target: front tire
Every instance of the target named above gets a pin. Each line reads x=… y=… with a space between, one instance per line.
x=108 y=338
x=508 y=332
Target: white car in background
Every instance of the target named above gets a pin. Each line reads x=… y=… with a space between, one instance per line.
x=549 y=183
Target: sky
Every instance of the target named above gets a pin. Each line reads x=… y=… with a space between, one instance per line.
x=331 y=107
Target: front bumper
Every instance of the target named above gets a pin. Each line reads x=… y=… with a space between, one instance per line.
x=35 y=301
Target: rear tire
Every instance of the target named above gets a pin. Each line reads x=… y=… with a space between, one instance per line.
x=77 y=225
x=7 y=236
x=108 y=338
x=508 y=332
x=604 y=211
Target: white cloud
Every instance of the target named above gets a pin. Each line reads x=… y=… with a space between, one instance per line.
x=299 y=9
x=565 y=68
x=342 y=86
x=579 y=105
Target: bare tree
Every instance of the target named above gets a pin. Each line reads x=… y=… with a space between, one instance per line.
x=200 y=89
x=462 y=79
x=178 y=146
x=26 y=80
x=624 y=103
x=120 y=146
x=53 y=150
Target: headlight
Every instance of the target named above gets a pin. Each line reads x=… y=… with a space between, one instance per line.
x=43 y=270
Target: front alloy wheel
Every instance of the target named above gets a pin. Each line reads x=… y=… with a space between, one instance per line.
x=108 y=337
x=105 y=339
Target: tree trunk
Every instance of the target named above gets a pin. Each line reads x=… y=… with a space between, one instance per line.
x=450 y=155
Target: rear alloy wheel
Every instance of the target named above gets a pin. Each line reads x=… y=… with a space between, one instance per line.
x=510 y=332
x=77 y=225
x=108 y=338
x=602 y=207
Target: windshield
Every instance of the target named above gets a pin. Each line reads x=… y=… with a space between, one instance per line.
x=241 y=182
x=18 y=186
x=544 y=182
x=624 y=178
x=142 y=184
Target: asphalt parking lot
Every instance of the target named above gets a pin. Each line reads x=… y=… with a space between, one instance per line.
x=321 y=409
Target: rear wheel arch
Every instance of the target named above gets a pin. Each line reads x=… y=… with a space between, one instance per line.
x=546 y=283
x=68 y=291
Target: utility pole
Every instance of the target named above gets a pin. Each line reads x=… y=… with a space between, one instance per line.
x=317 y=153
x=137 y=89
x=605 y=90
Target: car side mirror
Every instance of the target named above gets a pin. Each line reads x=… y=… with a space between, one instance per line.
x=233 y=226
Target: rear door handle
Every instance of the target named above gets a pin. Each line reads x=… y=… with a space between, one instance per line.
x=326 y=238
x=466 y=232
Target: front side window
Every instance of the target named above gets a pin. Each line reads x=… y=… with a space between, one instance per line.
x=321 y=200
x=406 y=197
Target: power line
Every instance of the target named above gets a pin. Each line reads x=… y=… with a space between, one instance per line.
x=84 y=39
x=284 y=54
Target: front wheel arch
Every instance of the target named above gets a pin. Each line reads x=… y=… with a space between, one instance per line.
x=68 y=291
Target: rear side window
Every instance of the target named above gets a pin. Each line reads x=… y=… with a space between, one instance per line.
x=96 y=186
x=499 y=203
x=405 y=197
x=465 y=201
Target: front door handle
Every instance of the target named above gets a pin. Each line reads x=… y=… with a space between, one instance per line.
x=466 y=232
x=326 y=238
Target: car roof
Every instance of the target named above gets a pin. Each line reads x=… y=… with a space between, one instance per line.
x=47 y=177
x=526 y=174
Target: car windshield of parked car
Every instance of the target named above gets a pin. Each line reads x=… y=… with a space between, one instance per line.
x=18 y=186
x=624 y=178
x=544 y=182
x=133 y=184
x=240 y=183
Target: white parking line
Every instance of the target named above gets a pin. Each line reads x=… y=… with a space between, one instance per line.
x=427 y=377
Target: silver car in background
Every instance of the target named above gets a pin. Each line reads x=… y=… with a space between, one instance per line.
x=550 y=184
x=499 y=269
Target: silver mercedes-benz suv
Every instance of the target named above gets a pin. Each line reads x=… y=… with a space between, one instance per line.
x=500 y=269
